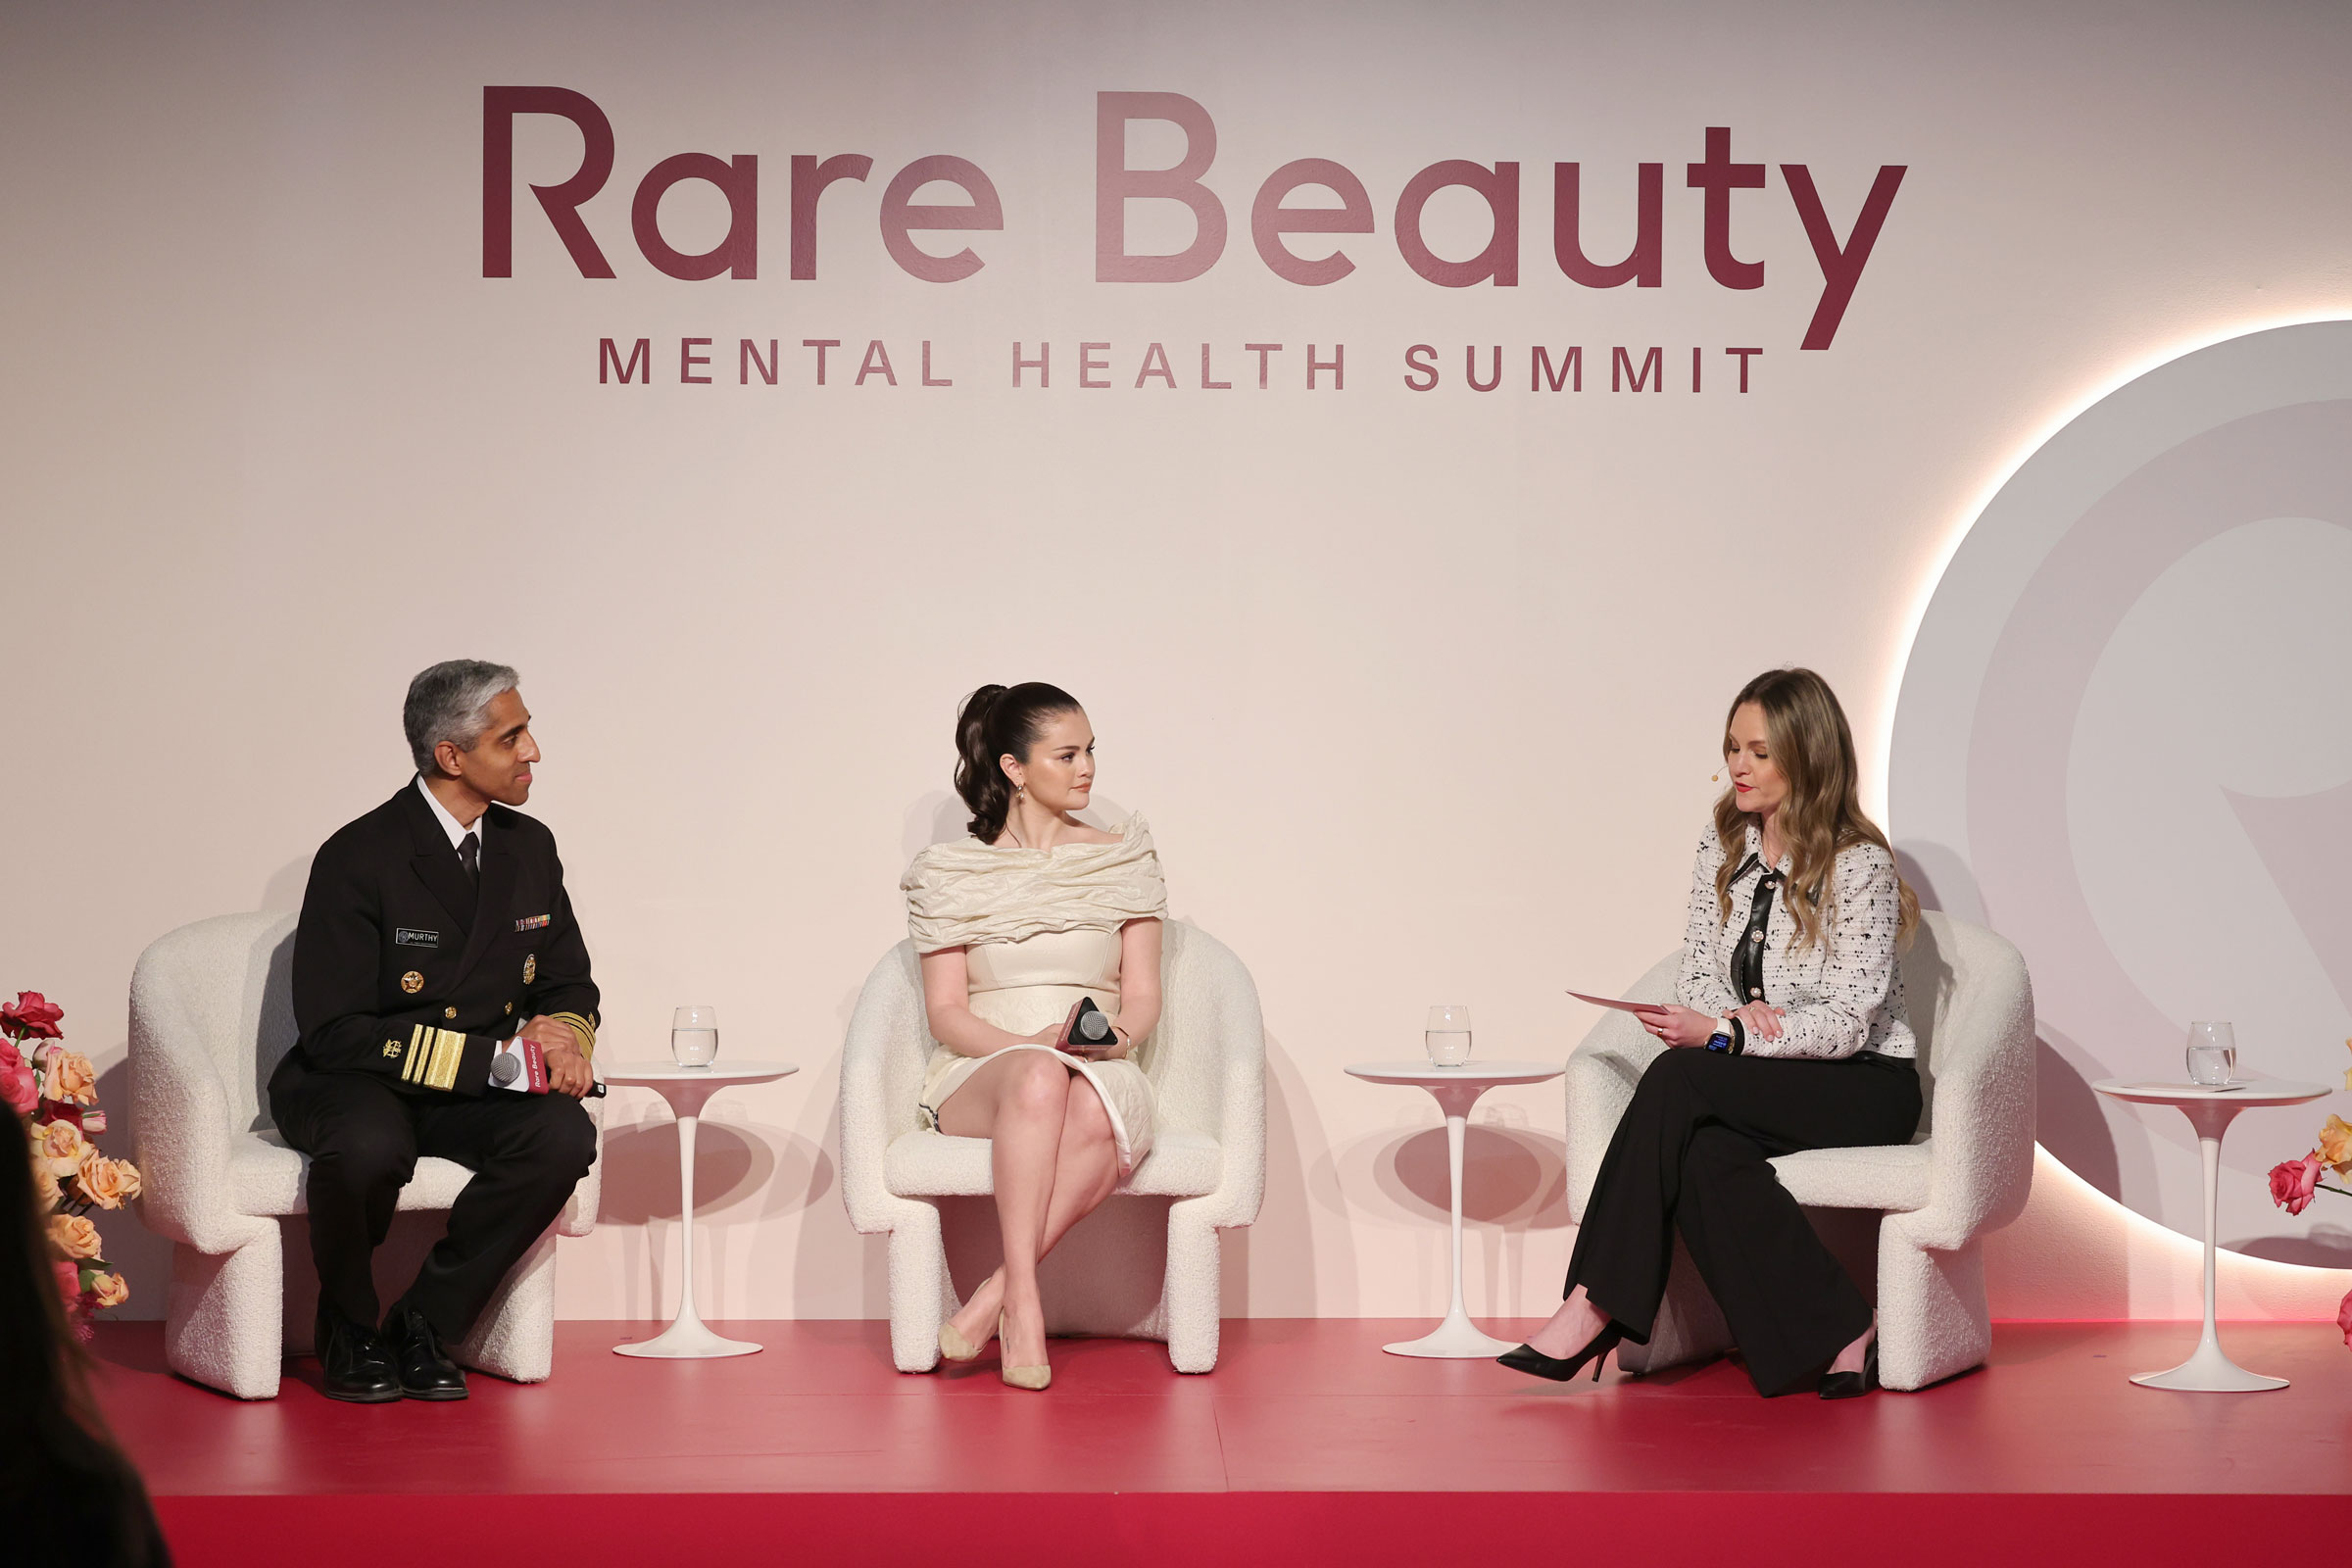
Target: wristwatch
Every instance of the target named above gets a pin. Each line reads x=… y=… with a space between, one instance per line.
x=1728 y=1036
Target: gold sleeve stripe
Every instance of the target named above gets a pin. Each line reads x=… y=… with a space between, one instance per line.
x=434 y=1055
x=585 y=1028
x=449 y=1047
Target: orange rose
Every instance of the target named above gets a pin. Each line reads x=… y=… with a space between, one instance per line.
x=44 y=1185
x=126 y=1177
x=2336 y=1145
x=70 y=1078
x=74 y=1235
x=109 y=1290
x=102 y=1178
x=61 y=1144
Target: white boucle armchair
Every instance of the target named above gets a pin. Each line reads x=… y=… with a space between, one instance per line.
x=210 y=1013
x=1206 y=1169
x=1966 y=1172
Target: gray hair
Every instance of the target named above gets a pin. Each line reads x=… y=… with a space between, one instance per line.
x=450 y=702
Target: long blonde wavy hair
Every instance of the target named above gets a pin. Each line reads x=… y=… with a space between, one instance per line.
x=1814 y=749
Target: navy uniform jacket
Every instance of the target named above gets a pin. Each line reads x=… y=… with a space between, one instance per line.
x=403 y=973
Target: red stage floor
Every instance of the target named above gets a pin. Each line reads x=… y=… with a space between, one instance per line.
x=1307 y=1444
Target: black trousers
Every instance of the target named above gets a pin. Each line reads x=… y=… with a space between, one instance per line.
x=1690 y=1152
x=527 y=1152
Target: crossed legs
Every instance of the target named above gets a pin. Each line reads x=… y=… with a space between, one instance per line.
x=1693 y=1152
x=1054 y=1160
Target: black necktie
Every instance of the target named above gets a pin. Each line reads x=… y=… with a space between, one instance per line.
x=469 y=855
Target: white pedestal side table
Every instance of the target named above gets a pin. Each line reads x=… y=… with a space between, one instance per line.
x=688 y=1089
x=1456 y=1088
x=2210 y=1111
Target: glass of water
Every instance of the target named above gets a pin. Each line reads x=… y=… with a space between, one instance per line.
x=2212 y=1053
x=694 y=1036
x=1448 y=1036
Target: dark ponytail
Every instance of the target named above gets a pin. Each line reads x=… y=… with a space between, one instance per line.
x=998 y=720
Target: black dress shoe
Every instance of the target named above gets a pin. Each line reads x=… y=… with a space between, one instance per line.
x=1853 y=1384
x=1527 y=1358
x=425 y=1372
x=358 y=1366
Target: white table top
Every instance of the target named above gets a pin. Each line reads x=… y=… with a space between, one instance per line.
x=721 y=1072
x=1426 y=1072
x=2242 y=1091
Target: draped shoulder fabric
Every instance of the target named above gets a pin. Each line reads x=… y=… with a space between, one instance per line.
x=965 y=894
x=1039 y=929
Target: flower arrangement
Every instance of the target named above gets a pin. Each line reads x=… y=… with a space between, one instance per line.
x=2295 y=1182
x=55 y=1092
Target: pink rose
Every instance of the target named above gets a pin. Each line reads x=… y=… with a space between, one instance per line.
x=31 y=1013
x=93 y=1122
x=2343 y=1319
x=69 y=1080
x=2293 y=1181
x=19 y=1088
x=69 y=1285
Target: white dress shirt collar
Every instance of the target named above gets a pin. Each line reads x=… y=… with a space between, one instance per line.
x=448 y=824
x=456 y=832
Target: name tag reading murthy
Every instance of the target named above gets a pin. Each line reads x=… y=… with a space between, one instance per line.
x=409 y=937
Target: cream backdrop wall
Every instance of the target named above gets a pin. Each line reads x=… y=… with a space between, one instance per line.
x=1419 y=690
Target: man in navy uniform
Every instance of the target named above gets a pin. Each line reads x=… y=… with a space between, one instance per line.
x=442 y=993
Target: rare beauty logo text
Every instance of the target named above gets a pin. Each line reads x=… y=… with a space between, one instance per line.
x=1309 y=222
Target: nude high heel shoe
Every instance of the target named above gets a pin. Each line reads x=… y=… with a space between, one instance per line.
x=953 y=1346
x=1032 y=1378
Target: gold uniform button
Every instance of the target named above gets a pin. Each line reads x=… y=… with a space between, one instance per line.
x=411 y=982
x=449 y=1013
x=510 y=1007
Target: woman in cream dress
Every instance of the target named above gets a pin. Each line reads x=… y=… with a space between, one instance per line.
x=1016 y=925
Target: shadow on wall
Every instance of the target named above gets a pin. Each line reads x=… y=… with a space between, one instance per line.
x=2323 y=1246
x=2070 y=1119
x=278 y=1032
x=1511 y=1176
x=820 y=1245
x=282 y=892
x=142 y=1257
x=1514 y=1182
x=1274 y=1267
x=873 y=1252
x=734 y=1161
x=937 y=817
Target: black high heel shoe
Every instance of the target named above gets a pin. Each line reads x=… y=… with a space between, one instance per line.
x=1853 y=1384
x=1527 y=1358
